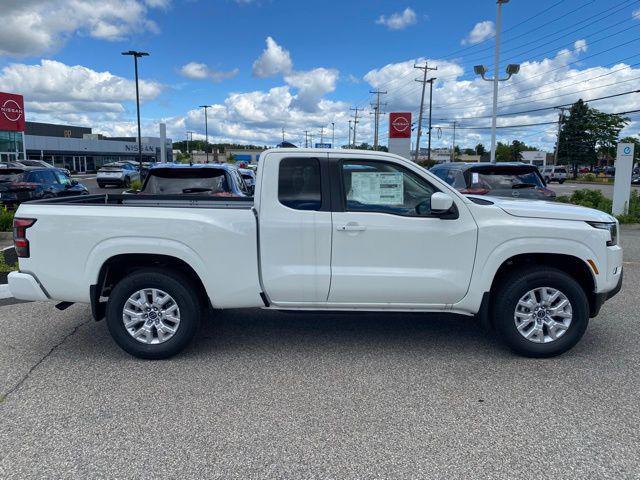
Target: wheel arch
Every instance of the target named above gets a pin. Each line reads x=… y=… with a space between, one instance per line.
x=118 y=266
x=574 y=266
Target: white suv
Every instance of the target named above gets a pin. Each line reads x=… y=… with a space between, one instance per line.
x=554 y=174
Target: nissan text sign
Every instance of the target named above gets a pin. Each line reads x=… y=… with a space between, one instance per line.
x=400 y=125
x=11 y=112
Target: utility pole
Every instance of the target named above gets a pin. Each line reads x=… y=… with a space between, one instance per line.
x=560 y=120
x=311 y=139
x=425 y=70
x=282 y=134
x=306 y=139
x=321 y=134
x=376 y=113
x=453 y=147
x=350 y=133
x=206 y=130
x=355 y=123
x=431 y=80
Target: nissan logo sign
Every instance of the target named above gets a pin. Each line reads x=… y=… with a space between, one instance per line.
x=11 y=110
x=401 y=124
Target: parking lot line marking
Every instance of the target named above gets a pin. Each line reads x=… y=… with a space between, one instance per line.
x=5 y=292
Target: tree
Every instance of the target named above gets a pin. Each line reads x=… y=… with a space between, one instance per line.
x=503 y=152
x=515 y=151
x=469 y=151
x=586 y=132
x=480 y=150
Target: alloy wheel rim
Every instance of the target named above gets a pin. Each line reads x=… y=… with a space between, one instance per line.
x=543 y=315
x=151 y=316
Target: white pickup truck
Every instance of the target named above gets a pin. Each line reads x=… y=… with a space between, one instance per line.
x=343 y=230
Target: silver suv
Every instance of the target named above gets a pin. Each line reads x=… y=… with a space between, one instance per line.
x=554 y=174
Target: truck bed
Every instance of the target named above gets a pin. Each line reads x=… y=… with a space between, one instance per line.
x=181 y=201
x=73 y=237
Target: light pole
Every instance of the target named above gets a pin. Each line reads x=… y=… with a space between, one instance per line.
x=206 y=130
x=512 y=69
x=135 y=54
x=333 y=134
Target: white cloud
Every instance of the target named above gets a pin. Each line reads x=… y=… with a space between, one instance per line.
x=636 y=14
x=200 y=71
x=35 y=27
x=398 y=20
x=311 y=86
x=540 y=84
x=56 y=90
x=273 y=60
x=480 y=32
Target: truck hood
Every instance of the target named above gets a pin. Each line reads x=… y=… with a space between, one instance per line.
x=552 y=210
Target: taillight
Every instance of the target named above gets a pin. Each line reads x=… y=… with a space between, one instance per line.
x=474 y=191
x=20 y=241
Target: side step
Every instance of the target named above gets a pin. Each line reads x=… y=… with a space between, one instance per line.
x=64 y=305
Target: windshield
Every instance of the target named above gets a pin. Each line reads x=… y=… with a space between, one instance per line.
x=190 y=181
x=504 y=179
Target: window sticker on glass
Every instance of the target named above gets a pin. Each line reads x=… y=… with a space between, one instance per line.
x=475 y=177
x=376 y=188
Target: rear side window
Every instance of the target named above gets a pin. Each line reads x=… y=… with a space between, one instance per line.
x=299 y=183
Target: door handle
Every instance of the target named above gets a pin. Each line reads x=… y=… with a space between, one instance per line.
x=352 y=227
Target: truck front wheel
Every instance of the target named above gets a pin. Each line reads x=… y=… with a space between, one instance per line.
x=540 y=312
x=152 y=314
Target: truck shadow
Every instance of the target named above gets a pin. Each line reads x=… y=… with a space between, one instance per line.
x=254 y=328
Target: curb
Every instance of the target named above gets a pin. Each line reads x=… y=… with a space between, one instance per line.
x=6 y=236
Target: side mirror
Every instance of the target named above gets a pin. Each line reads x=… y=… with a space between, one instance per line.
x=441 y=203
x=74 y=182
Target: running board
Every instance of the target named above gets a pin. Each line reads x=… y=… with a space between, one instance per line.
x=64 y=305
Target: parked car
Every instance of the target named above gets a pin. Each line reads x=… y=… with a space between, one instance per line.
x=43 y=164
x=19 y=185
x=15 y=188
x=327 y=230
x=584 y=170
x=500 y=180
x=249 y=177
x=120 y=174
x=635 y=180
x=211 y=179
x=610 y=171
x=553 y=173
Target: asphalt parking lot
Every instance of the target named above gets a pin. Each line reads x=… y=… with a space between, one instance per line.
x=263 y=394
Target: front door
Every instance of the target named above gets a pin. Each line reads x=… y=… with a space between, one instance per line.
x=388 y=249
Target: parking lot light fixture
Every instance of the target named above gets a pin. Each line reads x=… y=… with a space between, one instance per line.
x=206 y=130
x=481 y=70
x=135 y=54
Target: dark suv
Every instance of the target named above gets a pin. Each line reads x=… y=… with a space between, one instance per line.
x=517 y=180
x=19 y=185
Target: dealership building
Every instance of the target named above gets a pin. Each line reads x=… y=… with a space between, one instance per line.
x=75 y=148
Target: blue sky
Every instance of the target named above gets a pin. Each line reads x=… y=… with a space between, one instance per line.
x=272 y=64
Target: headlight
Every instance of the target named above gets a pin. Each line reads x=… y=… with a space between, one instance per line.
x=611 y=227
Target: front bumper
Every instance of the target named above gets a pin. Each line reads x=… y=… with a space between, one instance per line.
x=600 y=298
x=24 y=286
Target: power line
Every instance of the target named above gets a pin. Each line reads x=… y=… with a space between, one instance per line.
x=425 y=71
x=376 y=112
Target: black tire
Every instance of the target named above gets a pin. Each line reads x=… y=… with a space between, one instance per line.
x=100 y=185
x=127 y=182
x=179 y=287
x=515 y=286
x=560 y=182
x=547 y=180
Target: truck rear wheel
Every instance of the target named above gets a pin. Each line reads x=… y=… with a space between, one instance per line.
x=540 y=312
x=152 y=314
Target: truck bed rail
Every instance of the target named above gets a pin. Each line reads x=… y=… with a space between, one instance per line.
x=132 y=200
